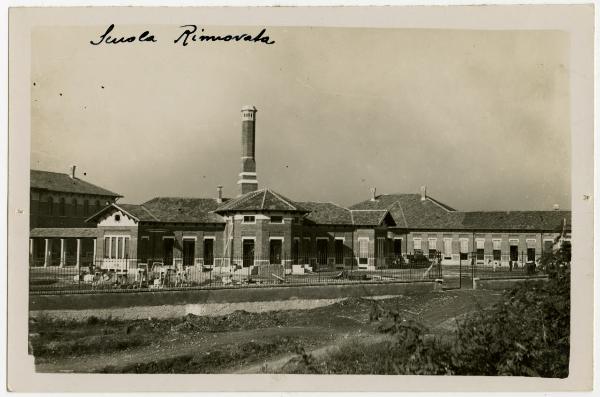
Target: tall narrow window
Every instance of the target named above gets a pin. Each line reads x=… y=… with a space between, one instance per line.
x=417 y=244
x=497 y=253
x=189 y=246
x=86 y=207
x=296 y=251
x=306 y=250
x=208 y=251
x=448 y=248
x=530 y=250
x=514 y=250
x=363 y=251
x=432 y=247
x=464 y=249
x=113 y=247
x=397 y=247
x=62 y=209
x=50 y=205
x=480 y=249
x=339 y=251
x=106 y=247
x=275 y=248
x=98 y=207
x=322 y=251
x=168 y=244
x=73 y=207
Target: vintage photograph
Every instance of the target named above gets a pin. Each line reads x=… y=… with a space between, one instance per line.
x=263 y=199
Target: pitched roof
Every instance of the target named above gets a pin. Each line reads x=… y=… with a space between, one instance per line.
x=184 y=210
x=58 y=232
x=260 y=200
x=516 y=220
x=409 y=211
x=368 y=217
x=60 y=182
x=169 y=210
x=326 y=213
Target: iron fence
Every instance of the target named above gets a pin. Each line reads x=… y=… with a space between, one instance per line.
x=496 y=265
x=167 y=273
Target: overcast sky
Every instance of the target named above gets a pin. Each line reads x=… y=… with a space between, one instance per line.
x=480 y=117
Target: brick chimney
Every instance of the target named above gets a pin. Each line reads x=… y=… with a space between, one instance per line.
x=423 y=192
x=219 y=194
x=73 y=168
x=247 y=181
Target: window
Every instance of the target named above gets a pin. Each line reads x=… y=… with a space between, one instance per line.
x=448 y=248
x=417 y=244
x=530 y=250
x=497 y=253
x=116 y=247
x=249 y=219
x=62 y=208
x=464 y=249
x=380 y=249
x=86 y=207
x=480 y=249
x=50 y=208
x=548 y=244
x=97 y=206
x=188 y=248
x=306 y=250
x=322 y=248
x=363 y=251
x=397 y=247
x=276 y=219
x=339 y=251
x=168 y=244
x=514 y=250
x=74 y=207
x=117 y=218
x=275 y=248
x=432 y=247
x=296 y=251
x=208 y=251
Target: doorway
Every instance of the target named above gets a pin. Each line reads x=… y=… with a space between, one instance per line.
x=247 y=252
x=275 y=248
x=188 y=248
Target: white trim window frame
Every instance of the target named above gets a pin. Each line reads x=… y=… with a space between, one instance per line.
x=363 y=250
x=122 y=246
x=248 y=222
x=417 y=244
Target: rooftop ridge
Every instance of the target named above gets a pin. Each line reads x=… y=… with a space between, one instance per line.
x=280 y=197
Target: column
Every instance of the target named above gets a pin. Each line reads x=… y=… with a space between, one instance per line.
x=78 y=253
x=62 y=252
x=31 y=258
x=94 y=254
x=46 y=252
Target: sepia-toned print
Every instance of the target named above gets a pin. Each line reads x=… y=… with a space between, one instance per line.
x=264 y=199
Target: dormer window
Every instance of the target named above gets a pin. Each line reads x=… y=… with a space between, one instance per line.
x=249 y=219
x=276 y=219
x=117 y=217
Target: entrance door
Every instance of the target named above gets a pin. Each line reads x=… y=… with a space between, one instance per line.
x=514 y=253
x=169 y=243
x=275 y=247
x=188 y=248
x=208 y=251
x=54 y=246
x=247 y=253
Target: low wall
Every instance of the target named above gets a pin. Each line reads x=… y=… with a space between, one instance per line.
x=505 y=283
x=209 y=302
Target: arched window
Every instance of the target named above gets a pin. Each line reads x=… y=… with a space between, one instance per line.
x=74 y=206
x=62 y=208
x=86 y=207
x=98 y=206
x=50 y=205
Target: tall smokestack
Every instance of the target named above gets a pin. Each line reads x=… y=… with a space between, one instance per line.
x=248 y=182
x=73 y=168
x=423 y=193
x=373 y=194
x=219 y=194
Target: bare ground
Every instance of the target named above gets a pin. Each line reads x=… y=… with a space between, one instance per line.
x=240 y=342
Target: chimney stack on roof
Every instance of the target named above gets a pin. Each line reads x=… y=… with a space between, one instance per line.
x=73 y=168
x=423 y=192
x=219 y=194
x=373 y=191
x=555 y=207
x=247 y=178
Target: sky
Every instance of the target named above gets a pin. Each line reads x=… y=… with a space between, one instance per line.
x=479 y=117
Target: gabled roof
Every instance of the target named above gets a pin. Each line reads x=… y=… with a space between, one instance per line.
x=409 y=211
x=369 y=217
x=184 y=210
x=326 y=213
x=59 y=182
x=169 y=210
x=260 y=200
